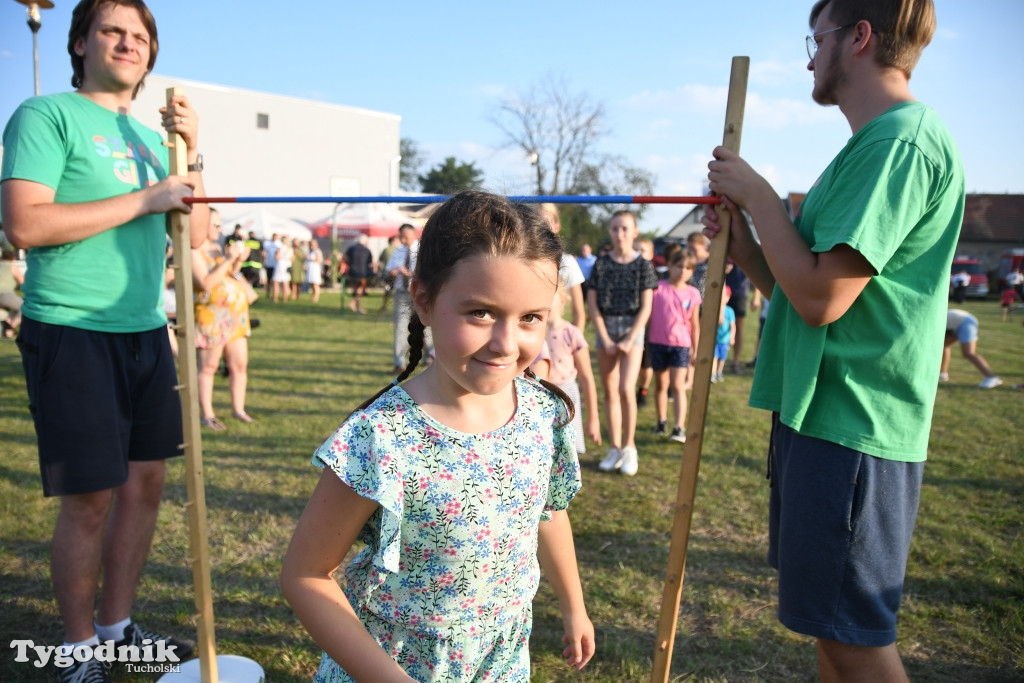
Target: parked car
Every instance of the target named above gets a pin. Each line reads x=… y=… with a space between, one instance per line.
x=978 y=288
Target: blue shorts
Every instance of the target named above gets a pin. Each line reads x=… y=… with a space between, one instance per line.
x=98 y=400
x=839 y=531
x=721 y=351
x=968 y=330
x=664 y=357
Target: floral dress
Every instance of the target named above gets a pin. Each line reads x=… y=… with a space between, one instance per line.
x=222 y=314
x=448 y=576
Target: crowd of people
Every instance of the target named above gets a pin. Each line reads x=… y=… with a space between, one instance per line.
x=456 y=476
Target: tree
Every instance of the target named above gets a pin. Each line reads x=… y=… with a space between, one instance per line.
x=450 y=177
x=611 y=175
x=409 y=166
x=554 y=128
x=558 y=130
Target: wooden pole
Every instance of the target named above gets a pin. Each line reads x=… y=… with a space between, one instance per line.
x=713 y=292
x=185 y=331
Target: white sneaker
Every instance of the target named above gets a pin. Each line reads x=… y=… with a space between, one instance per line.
x=990 y=383
x=629 y=461
x=611 y=461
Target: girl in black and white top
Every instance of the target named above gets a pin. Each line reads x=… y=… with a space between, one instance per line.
x=619 y=297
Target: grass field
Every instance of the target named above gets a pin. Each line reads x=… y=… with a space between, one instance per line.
x=963 y=608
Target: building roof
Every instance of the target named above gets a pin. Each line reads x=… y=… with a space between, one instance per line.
x=994 y=218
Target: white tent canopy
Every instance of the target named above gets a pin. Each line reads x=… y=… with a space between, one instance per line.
x=376 y=219
x=264 y=224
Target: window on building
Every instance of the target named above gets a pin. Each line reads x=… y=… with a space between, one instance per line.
x=263 y=120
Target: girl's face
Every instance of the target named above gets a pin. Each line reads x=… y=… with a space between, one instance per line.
x=677 y=272
x=486 y=332
x=622 y=229
x=213 y=232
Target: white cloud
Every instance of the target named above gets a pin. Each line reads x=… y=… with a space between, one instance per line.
x=494 y=90
x=774 y=73
x=781 y=112
x=689 y=98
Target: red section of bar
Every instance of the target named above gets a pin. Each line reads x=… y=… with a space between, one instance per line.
x=642 y=199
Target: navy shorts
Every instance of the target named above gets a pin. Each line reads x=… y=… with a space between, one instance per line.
x=98 y=400
x=664 y=357
x=839 y=531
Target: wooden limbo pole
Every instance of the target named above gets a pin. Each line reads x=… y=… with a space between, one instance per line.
x=713 y=292
x=185 y=331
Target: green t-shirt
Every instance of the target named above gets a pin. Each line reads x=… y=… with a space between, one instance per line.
x=867 y=381
x=113 y=281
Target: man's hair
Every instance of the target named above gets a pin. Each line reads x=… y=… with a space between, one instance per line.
x=903 y=27
x=81 y=21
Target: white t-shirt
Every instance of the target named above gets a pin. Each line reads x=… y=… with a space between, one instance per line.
x=569 y=273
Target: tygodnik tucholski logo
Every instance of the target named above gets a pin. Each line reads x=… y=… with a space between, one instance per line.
x=158 y=657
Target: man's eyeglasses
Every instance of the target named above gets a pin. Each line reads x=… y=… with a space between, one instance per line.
x=812 y=40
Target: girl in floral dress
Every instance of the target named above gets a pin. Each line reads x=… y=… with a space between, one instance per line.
x=456 y=480
x=221 y=322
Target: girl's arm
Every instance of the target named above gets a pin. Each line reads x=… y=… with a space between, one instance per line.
x=599 y=329
x=694 y=333
x=326 y=531
x=588 y=390
x=732 y=333
x=557 y=556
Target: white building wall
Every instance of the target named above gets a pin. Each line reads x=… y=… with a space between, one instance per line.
x=308 y=149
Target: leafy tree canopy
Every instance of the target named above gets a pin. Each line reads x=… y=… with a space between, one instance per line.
x=451 y=176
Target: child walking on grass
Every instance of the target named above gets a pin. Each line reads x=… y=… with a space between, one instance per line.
x=675 y=327
x=726 y=337
x=456 y=481
x=619 y=302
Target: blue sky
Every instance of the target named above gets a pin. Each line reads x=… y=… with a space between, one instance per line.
x=660 y=67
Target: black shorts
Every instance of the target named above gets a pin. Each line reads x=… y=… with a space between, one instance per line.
x=98 y=400
x=739 y=305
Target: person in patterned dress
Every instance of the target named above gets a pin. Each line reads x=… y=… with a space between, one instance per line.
x=457 y=480
x=221 y=321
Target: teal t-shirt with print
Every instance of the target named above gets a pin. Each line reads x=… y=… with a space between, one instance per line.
x=112 y=281
x=867 y=381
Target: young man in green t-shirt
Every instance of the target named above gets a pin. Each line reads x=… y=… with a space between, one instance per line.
x=849 y=361
x=86 y=190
